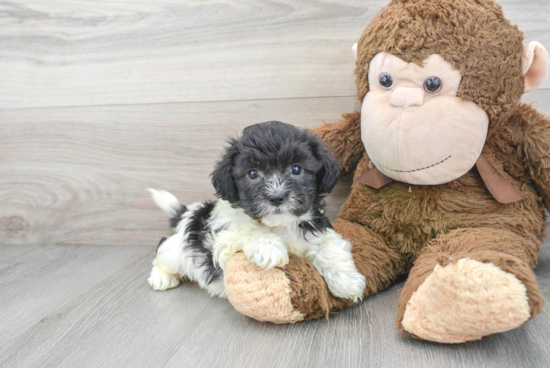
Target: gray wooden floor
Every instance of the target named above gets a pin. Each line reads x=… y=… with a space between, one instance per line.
x=102 y=99
x=90 y=306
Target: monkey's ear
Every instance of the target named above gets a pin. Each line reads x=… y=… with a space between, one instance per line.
x=354 y=51
x=328 y=175
x=535 y=63
x=222 y=176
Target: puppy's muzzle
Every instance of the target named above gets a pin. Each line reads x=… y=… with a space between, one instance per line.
x=276 y=199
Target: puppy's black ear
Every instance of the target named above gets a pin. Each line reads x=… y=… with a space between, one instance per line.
x=328 y=175
x=222 y=176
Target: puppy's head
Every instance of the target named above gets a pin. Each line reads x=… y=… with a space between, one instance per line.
x=276 y=172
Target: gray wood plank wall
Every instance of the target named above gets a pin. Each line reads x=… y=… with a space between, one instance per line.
x=100 y=100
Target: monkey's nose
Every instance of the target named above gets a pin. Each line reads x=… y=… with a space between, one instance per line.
x=407 y=96
x=277 y=199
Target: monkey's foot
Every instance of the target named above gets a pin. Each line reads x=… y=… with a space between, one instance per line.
x=466 y=301
x=291 y=294
x=259 y=293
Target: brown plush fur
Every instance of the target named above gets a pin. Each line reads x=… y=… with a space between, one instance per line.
x=472 y=35
x=309 y=292
x=510 y=252
x=346 y=134
x=408 y=217
x=373 y=258
x=404 y=228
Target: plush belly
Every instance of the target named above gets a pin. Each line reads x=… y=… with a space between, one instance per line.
x=409 y=216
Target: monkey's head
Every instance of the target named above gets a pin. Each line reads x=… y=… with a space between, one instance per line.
x=435 y=78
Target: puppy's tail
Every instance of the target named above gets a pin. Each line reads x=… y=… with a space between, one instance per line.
x=169 y=204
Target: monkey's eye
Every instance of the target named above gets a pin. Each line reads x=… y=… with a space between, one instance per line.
x=295 y=170
x=386 y=80
x=433 y=84
x=253 y=174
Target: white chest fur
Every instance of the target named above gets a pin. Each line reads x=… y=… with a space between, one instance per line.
x=292 y=238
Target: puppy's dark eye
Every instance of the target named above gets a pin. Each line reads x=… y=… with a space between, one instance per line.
x=295 y=170
x=253 y=174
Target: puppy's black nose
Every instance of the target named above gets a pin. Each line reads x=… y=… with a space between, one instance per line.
x=276 y=200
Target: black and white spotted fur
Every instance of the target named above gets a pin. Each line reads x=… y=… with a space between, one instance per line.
x=271 y=183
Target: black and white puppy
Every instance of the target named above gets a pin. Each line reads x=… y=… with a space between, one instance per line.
x=271 y=183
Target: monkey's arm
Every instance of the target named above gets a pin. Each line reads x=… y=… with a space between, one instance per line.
x=536 y=150
x=343 y=138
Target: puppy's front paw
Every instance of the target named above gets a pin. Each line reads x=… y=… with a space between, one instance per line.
x=347 y=284
x=267 y=254
x=160 y=280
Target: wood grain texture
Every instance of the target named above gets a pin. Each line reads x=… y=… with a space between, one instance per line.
x=101 y=99
x=99 y=52
x=84 y=306
x=78 y=175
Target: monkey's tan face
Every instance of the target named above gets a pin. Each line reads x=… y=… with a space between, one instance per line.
x=414 y=127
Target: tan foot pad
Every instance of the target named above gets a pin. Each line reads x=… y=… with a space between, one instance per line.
x=465 y=301
x=260 y=294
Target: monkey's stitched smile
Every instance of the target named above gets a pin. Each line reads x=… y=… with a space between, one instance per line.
x=408 y=171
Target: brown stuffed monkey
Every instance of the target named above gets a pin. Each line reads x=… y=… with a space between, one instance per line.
x=451 y=177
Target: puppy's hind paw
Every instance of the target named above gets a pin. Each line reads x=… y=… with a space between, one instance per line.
x=160 y=280
x=348 y=284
